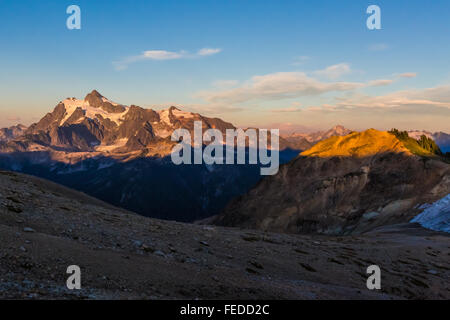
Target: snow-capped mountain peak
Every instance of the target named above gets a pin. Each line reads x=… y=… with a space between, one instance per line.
x=92 y=110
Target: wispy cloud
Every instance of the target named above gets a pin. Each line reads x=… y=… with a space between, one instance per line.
x=335 y=71
x=161 y=55
x=13 y=118
x=380 y=82
x=225 y=84
x=438 y=97
x=287 y=110
x=298 y=61
x=408 y=75
x=282 y=85
x=378 y=47
x=208 y=51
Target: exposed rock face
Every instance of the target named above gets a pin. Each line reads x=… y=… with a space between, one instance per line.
x=11 y=133
x=95 y=99
x=342 y=185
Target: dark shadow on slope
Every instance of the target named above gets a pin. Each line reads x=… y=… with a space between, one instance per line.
x=153 y=187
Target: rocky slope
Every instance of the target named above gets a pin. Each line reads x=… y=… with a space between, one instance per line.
x=343 y=185
x=45 y=227
x=11 y=133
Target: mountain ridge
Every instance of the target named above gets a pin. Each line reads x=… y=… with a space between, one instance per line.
x=342 y=185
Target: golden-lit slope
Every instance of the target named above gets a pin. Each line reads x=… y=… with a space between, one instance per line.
x=358 y=144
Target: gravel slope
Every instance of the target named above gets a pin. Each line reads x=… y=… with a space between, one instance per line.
x=45 y=227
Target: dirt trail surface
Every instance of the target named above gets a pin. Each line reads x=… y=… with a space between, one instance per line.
x=44 y=228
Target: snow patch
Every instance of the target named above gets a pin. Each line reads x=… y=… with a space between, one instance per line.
x=164 y=115
x=107 y=148
x=436 y=216
x=90 y=112
x=178 y=113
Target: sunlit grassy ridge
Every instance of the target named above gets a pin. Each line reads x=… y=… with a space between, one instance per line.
x=367 y=143
x=422 y=147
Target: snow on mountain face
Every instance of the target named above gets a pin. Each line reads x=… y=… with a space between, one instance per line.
x=91 y=112
x=435 y=216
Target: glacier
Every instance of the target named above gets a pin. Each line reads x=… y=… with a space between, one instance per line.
x=435 y=216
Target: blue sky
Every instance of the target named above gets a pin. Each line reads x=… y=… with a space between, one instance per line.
x=288 y=64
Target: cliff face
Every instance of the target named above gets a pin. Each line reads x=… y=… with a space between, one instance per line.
x=342 y=185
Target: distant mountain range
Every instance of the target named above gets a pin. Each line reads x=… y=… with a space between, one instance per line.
x=442 y=139
x=120 y=154
x=304 y=141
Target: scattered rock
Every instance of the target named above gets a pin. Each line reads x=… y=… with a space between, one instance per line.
x=148 y=248
x=28 y=229
x=137 y=243
x=160 y=253
x=256 y=264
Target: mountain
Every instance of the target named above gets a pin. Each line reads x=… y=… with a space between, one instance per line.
x=11 y=133
x=97 y=124
x=304 y=141
x=322 y=135
x=45 y=227
x=121 y=155
x=344 y=185
x=442 y=139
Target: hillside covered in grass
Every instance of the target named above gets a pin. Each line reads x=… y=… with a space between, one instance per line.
x=422 y=147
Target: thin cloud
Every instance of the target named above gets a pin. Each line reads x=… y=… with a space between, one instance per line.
x=287 y=110
x=225 y=84
x=334 y=72
x=380 y=82
x=13 y=118
x=281 y=85
x=378 y=47
x=408 y=75
x=300 y=60
x=161 y=55
x=438 y=97
x=208 y=51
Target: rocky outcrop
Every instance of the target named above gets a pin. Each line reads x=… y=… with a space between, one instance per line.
x=11 y=133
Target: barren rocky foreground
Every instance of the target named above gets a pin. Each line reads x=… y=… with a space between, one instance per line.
x=44 y=228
